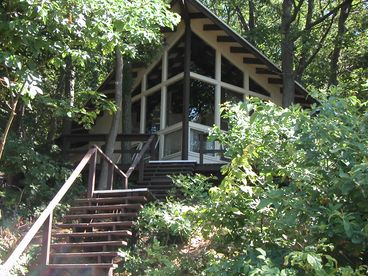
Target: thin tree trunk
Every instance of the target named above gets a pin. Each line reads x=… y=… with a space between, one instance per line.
x=287 y=55
x=252 y=17
x=341 y=30
x=69 y=91
x=305 y=47
x=4 y=137
x=127 y=111
x=54 y=122
x=116 y=120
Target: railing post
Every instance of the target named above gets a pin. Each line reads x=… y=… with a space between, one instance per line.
x=153 y=149
x=126 y=183
x=141 y=170
x=110 y=176
x=201 y=149
x=92 y=175
x=46 y=241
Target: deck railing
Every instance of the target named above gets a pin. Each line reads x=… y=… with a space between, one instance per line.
x=203 y=150
x=45 y=219
x=130 y=145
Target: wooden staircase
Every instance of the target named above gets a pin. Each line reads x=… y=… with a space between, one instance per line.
x=156 y=176
x=88 y=239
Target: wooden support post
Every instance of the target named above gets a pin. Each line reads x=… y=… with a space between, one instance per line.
x=110 y=177
x=153 y=149
x=46 y=242
x=186 y=86
x=141 y=170
x=92 y=175
x=201 y=148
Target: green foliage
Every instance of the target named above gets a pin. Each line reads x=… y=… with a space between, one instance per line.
x=33 y=179
x=194 y=189
x=156 y=259
x=166 y=222
x=293 y=200
x=8 y=240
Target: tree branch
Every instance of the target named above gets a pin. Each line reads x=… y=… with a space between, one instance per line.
x=296 y=10
x=322 y=18
x=241 y=18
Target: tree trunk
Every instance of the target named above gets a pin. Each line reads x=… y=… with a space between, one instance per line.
x=302 y=64
x=4 y=137
x=55 y=123
x=334 y=67
x=287 y=54
x=116 y=120
x=252 y=17
x=69 y=91
x=127 y=111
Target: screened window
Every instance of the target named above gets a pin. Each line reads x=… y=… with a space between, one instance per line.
x=136 y=116
x=137 y=90
x=232 y=97
x=203 y=57
x=230 y=73
x=255 y=87
x=173 y=142
x=153 y=112
x=176 y=58
x=195 y=141
x=202 y=102
x=174 y=105
x=154 y=77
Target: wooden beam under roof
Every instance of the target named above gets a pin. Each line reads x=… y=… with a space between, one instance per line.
x=250 y=60
x=274 y=81
x=225 y=38
x=211 y=27
x=239 y=50
x=197 y=15
x=265 y=71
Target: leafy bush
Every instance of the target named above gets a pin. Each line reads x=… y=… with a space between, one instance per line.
x=8 y=241
x=293 y=200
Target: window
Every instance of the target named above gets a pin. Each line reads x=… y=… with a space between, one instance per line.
x=230 y=73
x=173 y=142
x=202 y=102
x=203 y=59
x=232 y=97
x=176 y=59
x=137 y=90
x=174 y=104
x=154 y=77
x=255 y=87
x=195 y=141
x=153 y=112
x=136 y=116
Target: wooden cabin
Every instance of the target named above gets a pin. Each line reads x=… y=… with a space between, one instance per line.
x=177 y=97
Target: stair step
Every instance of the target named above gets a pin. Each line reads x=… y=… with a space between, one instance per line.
x=88 y=244
x=84 y=254
x=157 y=179
x=111 y=199
x=170 y=165
x=96 y=224
x=151 y=185
x=124 y=193
x=107 y=207
x=99 y=216
x=94 y=234
x=67 y=266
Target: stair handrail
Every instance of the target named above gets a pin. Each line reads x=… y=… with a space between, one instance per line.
x=45 y=219
x=139 y=157
x=114 y=166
